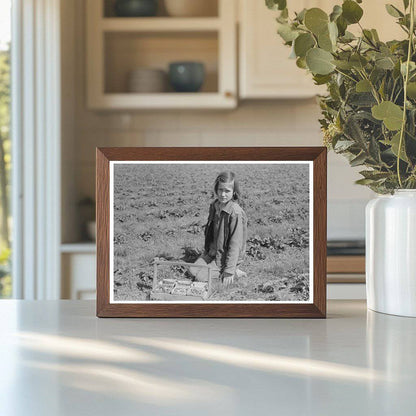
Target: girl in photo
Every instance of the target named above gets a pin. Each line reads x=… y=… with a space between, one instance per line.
x=226 y=230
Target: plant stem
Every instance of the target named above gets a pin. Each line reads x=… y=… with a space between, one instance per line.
x=369 y=41
x=406 y=79
x=392 y=90
x=345 y=75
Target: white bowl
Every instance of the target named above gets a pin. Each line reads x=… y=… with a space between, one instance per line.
x=191 y=8
x=146 y=80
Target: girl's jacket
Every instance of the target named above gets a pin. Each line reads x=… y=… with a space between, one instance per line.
x=232 y=236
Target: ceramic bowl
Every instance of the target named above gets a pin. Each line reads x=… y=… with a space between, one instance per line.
x=147 y=80
x=135 y=8
x=186 y=76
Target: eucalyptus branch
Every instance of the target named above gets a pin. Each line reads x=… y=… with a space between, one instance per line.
x=379 y=121
x=406 y=79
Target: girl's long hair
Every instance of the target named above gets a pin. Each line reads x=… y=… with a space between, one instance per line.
x=227 y=177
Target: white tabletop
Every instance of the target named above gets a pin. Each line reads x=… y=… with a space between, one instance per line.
x=57 y=358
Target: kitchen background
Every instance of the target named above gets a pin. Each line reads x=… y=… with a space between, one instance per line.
x=275 y=121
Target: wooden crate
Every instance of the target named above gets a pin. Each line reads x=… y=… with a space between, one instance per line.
x=163 y=296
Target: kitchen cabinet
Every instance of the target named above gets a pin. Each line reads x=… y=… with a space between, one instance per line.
x=265 y=70
x=118 y=45
x=78 y=271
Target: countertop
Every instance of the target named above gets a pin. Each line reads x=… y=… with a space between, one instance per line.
x=57 y=358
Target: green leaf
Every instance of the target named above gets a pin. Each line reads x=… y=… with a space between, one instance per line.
x=301 y=63
x=363 y=86
x=385 y=63
x=283 y=17
x=393 y=11
x=358 y=61
x=347 y=37
x=364 y=181
x=406 y=4
x=411 y=90
x=374 y=150
x=390 y=113
x=343 y=145
x=412 y=67
x=336 y=12
x=374 y=175
x=321 y=79
x=375 y=35
x=361 y=99
x=327 y=40
x=319 y=61
x=394 y=143
x=341 y=64
x=276 y=4
x=342 y=25
x=351 y=11
x=300 y=17
x=316 y=20
x=396 y=71
x=377 y=74
x=368 y=36
x=286 y=32
x=381 y=89
x=324 y=42
x=303 y=43
x=358 y=160
x=353 y=130
x=333 y=32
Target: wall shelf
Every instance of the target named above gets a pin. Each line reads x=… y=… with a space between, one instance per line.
x=116 y=46
x=80 y=247
x=159 y=24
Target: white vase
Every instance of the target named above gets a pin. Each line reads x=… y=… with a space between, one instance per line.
x=391 y=253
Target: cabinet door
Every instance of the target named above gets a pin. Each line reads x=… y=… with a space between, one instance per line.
x=265 y=68
x=376 y=17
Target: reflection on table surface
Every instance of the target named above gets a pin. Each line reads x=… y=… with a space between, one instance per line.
x=62 y=360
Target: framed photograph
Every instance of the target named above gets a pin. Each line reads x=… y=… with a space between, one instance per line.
x=211 y=232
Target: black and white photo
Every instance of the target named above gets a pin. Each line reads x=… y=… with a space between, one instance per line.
x=211 y=231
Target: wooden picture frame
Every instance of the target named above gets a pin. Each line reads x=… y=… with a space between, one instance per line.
x=314 y=157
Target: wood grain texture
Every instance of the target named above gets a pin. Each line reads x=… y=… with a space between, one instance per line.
x=103 y=231
x=317 y=309
x=319 y=230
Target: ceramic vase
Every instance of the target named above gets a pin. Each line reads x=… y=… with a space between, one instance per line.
x=391 y=253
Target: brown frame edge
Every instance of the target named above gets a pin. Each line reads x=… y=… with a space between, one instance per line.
x=317 y=309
